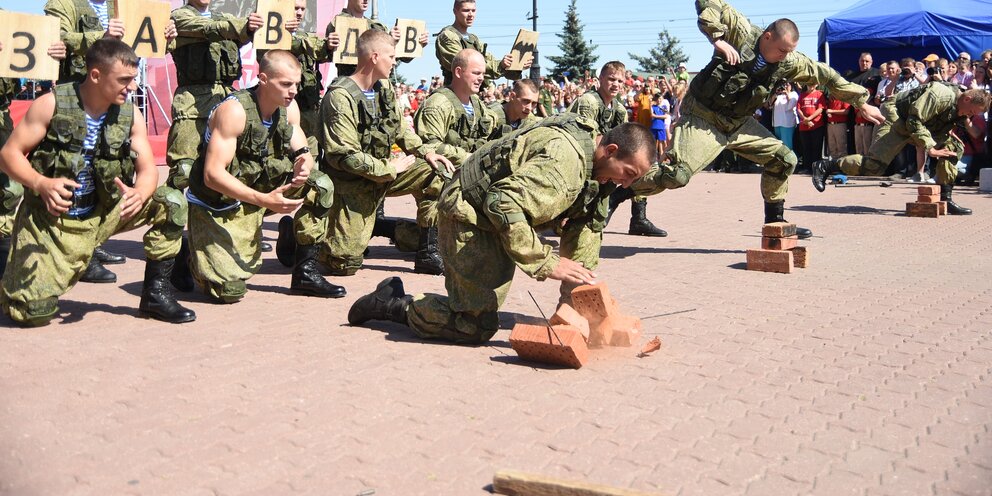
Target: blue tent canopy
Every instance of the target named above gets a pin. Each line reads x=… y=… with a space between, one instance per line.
x=893 y=29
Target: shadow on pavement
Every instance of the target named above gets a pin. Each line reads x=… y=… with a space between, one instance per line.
x=738 y=266
x=626 y=251
x=515 y=360
x=72 y=311
x=853 y=209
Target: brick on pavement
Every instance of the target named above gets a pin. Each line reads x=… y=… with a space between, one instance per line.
x=866 y=373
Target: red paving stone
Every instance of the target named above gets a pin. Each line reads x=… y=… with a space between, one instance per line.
x=867 y=373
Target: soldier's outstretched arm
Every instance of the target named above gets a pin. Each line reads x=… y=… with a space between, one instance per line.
x=145 y=171
x=341 y=143
x=303 y=163
x=76 y=42
x=55 y=192
x=804 y=70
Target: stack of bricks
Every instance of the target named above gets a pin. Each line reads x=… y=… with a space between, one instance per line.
x=927 y=203
x=595 y=321
x=779 y=251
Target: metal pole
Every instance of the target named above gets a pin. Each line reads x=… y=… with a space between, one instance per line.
x=375 y=9
x=535 y=68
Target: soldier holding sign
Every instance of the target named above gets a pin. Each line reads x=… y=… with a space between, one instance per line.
x=83 y=153
x=455 y=38
x=10 y=191
x=356 y=9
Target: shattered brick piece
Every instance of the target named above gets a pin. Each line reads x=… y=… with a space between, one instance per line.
x=567 y=315
x=942 y=208
x=770 y=261
x=626 y=330
x=788 y=243
x=916 y=209
x=927 y=190
x=593 y=301
x=800 y=257
x=927 y=198
x=535 y=343
x=778 y=230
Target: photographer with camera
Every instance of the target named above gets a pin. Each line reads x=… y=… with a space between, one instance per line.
x=784 y=118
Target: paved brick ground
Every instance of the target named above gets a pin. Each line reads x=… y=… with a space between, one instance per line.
x=866 y=374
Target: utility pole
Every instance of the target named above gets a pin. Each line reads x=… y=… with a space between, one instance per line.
x=535 y=68
x=375 y=9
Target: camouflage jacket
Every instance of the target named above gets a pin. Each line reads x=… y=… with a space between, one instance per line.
x=448 y=130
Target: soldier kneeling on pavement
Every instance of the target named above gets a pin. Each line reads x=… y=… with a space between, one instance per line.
x=553 y=172
x=256 y=159
x=926 y=117
x=83 y=152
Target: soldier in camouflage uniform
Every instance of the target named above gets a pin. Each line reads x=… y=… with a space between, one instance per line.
x=89 y=177
x=593 y=105
x=208 y=62
x=717 y=112
x=81 y=25
x=926 y=117
x=356 y=9
x=360 y=122
x=256 y=159
x=535 y=176
x=455 y=38
x=518 y=111
x=10 y=191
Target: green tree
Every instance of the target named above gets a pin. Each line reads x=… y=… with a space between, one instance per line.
x=576 y=54
x=665 y=56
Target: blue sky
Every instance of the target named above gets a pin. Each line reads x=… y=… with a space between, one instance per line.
x=617 y=26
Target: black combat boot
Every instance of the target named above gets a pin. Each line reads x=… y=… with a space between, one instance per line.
x=380 y=211
x=822 y=169
x=619 y=196
x=157 y=300
x=640 y=225
x=97 y=273
x=428 y=260
x=387 y=302
x=774 y=212
x=107 y=258
x=4 y=253
x=952 y=208
x=181 y=276
x=385 y=227
x=265 y=246
x=286 y=242
x=307 y=279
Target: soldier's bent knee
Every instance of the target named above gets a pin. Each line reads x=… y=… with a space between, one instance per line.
x=34 y=313
x=677 y=176
x=232 y=291
x=783 y=163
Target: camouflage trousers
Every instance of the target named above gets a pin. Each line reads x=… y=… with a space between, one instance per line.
x=49 y=254
x=697 y=141
x=891 y=138
x=191 y=108
x=226 y=246
x=477 y=277
x=352 y=215
x=10 y=191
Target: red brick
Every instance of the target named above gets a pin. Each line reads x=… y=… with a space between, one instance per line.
x=927 y=190
x=566 y=315
x=778 y=230
x=942 y=208
x=927 y=198
x=535 y=343
x=770 y=261
x=788 y=243
x=916 y=209
x=800 y=257
x=593 y=301
x=627 y=330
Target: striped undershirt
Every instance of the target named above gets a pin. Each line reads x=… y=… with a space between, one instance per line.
x=86 y=177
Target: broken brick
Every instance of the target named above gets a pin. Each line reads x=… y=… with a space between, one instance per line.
x=779 y=243
x=927 y=190
x=770 y=261
x=536 y=343
x=778 y=230
x=566 y=315
x=800 y=257
x=627 y=330
x=916 y=209
x=593 y=301
x=927 y=198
